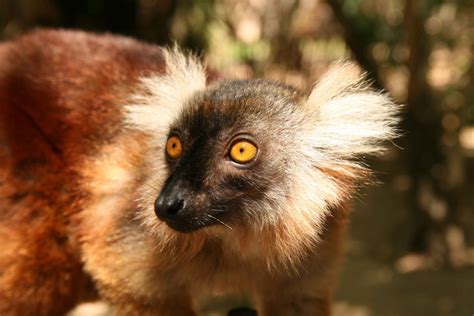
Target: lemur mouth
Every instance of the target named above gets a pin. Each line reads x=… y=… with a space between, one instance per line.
x=185 y=226
x=185 y=213
x=186 y=220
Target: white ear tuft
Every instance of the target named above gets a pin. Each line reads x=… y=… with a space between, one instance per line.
x=161 y=97
x=349 y=118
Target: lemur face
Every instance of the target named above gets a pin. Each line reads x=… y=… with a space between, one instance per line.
x=227 y=154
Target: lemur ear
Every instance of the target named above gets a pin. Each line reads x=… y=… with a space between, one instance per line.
x=349 y=118
x=161 y=97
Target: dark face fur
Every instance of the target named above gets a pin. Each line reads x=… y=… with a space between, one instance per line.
x=205 y=186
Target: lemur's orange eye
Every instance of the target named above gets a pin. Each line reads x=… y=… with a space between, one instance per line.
x=174 y=148
x=243 y=151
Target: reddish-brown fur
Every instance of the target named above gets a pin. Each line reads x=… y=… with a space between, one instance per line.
x=57 y=106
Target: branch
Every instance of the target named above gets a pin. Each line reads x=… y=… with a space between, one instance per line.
x=356 y=42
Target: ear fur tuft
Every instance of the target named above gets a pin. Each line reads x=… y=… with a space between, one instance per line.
x=349 y=118
x=161 y=97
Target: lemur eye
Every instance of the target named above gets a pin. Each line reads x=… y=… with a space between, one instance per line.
x=174 y=147
x=243 y=151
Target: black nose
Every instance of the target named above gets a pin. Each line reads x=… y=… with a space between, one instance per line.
x=169 y=207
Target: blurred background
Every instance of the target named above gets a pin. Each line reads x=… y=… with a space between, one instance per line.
x=410 y=247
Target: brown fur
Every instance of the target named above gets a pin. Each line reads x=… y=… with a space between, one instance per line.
x=75 y=198
x=46 y=98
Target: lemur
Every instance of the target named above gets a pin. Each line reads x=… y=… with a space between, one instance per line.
x=126 y=171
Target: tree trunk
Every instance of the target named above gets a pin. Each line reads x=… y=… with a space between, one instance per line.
x=433 y=197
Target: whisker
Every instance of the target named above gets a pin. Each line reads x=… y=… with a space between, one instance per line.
x=217 y=210
x=209 y=215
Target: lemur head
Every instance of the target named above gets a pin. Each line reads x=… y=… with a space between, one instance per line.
x=229 y=152
x=254 y=156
